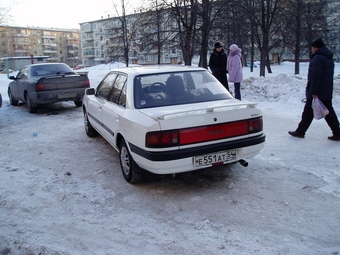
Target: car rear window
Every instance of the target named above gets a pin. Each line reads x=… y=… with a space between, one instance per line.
x=177 y=88
x=51 y=69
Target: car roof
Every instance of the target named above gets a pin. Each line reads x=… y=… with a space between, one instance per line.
x=152 y=69
x=46 y=64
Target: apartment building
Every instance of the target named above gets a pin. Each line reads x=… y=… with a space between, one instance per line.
x=60 y=45
x=101 y=41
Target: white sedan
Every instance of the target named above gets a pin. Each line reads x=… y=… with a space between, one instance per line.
x=171 y=119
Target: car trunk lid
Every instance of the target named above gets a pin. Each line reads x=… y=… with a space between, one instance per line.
x=62 y=82
x=203 y=123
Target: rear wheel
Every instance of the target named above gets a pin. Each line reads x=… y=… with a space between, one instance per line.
x=12 y=100
x=89 y=130
x=30 y=108
x=128 y=165
x=78 y=103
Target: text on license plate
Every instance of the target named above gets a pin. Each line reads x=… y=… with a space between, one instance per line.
x=67 y=95
x=218 y=157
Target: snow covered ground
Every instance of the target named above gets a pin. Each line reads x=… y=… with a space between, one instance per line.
x=63 y=192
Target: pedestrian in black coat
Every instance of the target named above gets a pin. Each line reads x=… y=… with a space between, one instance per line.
x=218 y=64
x=319 y=85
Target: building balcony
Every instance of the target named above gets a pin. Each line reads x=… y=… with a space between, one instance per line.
x=73 y=45
x=173 y=55
x=21 y=35
x=21 y=51
x=48 y=37
x=50 y=44
x=20 y=43
x=50 y=51
x=89 y=47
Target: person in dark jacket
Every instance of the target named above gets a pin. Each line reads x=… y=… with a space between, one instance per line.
x=218 y=64
x=319 y=85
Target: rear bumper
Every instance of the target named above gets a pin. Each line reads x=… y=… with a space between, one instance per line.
x=176 y=161
x=57 y=96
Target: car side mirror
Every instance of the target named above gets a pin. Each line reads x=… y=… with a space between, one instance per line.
x=90 y=91
x=11 y=78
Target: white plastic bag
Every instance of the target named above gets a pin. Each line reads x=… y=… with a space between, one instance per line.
x=319 y=109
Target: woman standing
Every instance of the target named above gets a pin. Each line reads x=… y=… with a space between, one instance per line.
x=234 y=68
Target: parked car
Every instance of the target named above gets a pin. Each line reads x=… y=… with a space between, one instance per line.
x=171 y=119
x=43 y=84
x=78 y=67
x=0 y=100
x=249 y=64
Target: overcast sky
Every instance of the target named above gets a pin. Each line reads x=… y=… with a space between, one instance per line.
x=58 y=14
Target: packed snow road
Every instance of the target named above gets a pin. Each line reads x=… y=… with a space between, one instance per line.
x=63 y=193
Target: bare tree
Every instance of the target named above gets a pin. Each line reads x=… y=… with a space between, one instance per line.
x=268 y=11
x=260 y=27
x=304 y=20
x=208 y=12
x=184 y=12
x=157 y=29
x=5 y=16
x=333 y=25
x=119 y=30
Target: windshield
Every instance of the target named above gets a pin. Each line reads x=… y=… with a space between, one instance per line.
x=187 y=87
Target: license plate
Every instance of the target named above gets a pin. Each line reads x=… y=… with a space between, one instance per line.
x=67 y=95
x=218 y=157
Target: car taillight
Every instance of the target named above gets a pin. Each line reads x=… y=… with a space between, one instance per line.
x=162 y=139
x=82 y=84
x=255 y=125
x=45 y=86
x=203 y=134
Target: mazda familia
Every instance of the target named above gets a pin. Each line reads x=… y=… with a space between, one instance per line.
x=171 y=119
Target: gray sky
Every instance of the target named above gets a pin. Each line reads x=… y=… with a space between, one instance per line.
x=57 y=14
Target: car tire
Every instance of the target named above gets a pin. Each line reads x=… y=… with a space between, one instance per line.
x=128 y=165
x=12 y=101
x=30 y=108
x=78 y=103
x=89 y=130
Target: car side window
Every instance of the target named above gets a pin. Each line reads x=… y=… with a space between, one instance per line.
x=105 y=86
x=118 y=94
x=23 y=73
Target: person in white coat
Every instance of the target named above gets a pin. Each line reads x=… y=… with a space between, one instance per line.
x=234 y=68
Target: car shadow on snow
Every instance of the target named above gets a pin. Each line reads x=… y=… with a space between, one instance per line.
x=53 y=109
x=203 y=178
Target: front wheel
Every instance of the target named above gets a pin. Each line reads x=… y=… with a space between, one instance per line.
x=89 y=130
x=12 y=100
x=128 y=165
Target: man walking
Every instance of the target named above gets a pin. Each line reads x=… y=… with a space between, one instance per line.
x=319 y=85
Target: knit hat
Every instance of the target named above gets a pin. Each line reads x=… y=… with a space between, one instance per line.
x=218 y=45
x=233 y=47
x=318 y=43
